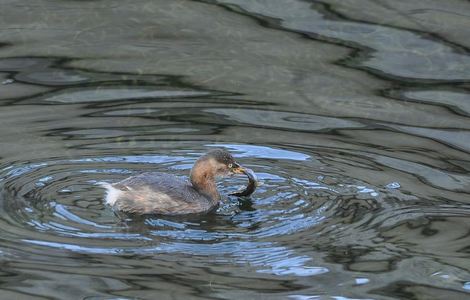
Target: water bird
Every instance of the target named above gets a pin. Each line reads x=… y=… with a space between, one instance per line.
x=166 y=194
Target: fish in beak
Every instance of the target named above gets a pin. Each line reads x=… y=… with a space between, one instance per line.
x=252 y=180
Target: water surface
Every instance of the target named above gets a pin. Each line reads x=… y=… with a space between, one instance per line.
x=354 y=116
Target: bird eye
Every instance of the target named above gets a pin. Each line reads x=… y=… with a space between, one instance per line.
x=230 y=165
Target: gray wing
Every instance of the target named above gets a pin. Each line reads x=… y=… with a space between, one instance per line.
x=159 y=193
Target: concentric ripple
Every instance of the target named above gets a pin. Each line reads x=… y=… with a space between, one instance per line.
x=59 y=205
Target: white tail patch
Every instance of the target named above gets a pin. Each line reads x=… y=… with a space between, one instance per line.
x=112 y=193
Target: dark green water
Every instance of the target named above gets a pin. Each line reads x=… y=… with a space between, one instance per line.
x=353 y=114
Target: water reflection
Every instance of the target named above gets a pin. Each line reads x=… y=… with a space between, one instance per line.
x=388 y=51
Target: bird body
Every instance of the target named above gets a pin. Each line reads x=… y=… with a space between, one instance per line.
x=157 y=193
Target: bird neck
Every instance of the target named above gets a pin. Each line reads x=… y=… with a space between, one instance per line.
x=204 y=182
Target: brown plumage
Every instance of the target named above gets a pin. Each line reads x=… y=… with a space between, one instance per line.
x=160 y=193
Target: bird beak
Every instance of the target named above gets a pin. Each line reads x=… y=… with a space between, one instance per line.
x=237 y=169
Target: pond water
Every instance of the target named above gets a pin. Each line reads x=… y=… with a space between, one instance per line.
x=353 y=114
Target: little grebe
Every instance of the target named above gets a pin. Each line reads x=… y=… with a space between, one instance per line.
x=160 y=193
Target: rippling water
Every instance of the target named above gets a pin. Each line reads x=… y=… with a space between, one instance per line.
x=354 y=116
